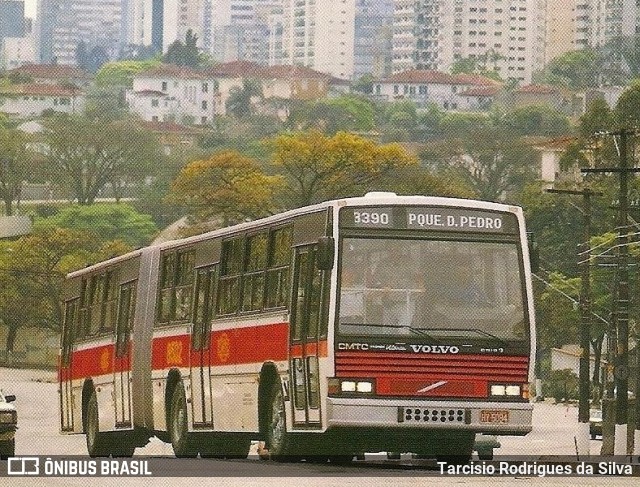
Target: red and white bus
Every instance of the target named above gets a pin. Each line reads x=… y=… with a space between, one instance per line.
x=378 y=323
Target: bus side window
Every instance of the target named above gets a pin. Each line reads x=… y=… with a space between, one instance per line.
x=253 y=277
x=110 y=305
x=277 y=276
x=69 y=328
x=230 y=274
x=184 y=285
x=167 y=278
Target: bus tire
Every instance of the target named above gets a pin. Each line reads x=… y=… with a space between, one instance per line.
x=278 y=440
x=121 y=447
x=97 y=442
x=181 y=440
x=7 y=448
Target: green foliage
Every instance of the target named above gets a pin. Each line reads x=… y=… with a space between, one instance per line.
x=242 y=99
x=316 y=167
x=184 y=54
x=575 y=69
x=226 y=185
x=17 y=163
x=494 y=163
x=597 y=118
x=562 y=385
x=105 y=222
x=32 y=271
x=87 y=154
x=332 y=115
x=460 y=125
x=121 y=73
x=627 y=110
x=536 y=120
x=364 y=84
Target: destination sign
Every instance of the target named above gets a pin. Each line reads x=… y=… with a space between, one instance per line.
x=429 y=218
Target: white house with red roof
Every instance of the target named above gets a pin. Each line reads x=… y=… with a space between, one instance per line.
x=173 y=93
x=184 y=95
x=31 y=99
x=425 y=87
x=54 y=74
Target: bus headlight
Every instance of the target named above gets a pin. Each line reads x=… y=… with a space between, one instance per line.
x=510 y=390
x=350 y=386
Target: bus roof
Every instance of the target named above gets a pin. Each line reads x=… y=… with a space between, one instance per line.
x=370 y=199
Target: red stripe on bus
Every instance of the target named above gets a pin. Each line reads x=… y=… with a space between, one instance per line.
x=234 y=346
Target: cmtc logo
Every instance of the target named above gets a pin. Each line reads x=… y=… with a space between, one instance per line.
x=353 y=346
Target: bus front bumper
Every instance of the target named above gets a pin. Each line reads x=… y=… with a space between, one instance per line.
x=486 y=417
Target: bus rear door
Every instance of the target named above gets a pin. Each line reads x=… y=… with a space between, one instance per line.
x=122 y=358
x=200 y=363
x=65 y=373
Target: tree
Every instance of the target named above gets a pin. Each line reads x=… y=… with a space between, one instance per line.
x=32 y=271
x=184 y=54
x=536 y=120
x=317 y=167
x=96 y=58
x=84 y=155
x=16 y=165
x=493 y=162
x=121 y=73
x=344 y=113
x=227 y=186
x=105 y=222
x=627 y=110
x=241 y=100
x=575 y=69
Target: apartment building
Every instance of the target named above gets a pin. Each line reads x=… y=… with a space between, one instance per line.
x=502 y=35
x=373 y=34
x=320 y=34
x=576 y=24
x=63 y=24
x=246 y=30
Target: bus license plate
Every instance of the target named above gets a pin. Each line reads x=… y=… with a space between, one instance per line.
x=494 y=416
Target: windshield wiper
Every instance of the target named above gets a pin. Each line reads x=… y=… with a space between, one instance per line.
x=417 y=331
x=482 y=332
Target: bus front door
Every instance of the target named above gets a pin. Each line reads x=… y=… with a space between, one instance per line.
x=122 y=356
x=305 y=339
x=202 y=408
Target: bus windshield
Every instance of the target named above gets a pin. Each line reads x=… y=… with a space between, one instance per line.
x=433 y=288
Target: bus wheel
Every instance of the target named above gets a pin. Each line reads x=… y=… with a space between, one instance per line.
x=121 y=447
x=277 y=438
x=97 y=444
x=238 y=449
x=7 y=448
x=457 y=451
x=181 y=440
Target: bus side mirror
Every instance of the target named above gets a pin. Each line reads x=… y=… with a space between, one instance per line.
x=534 y=253
x=325 y=253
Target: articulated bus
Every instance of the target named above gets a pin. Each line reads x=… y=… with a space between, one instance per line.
x=370 y=324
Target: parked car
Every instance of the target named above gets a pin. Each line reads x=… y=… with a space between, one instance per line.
x=8 y=425
x=595 y=423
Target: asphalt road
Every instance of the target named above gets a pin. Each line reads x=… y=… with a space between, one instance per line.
x=36 y=391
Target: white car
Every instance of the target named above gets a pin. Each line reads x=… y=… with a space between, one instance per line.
x=8 y=425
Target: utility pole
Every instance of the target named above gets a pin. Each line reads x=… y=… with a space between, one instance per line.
x=584 y=257
x=621 y=364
